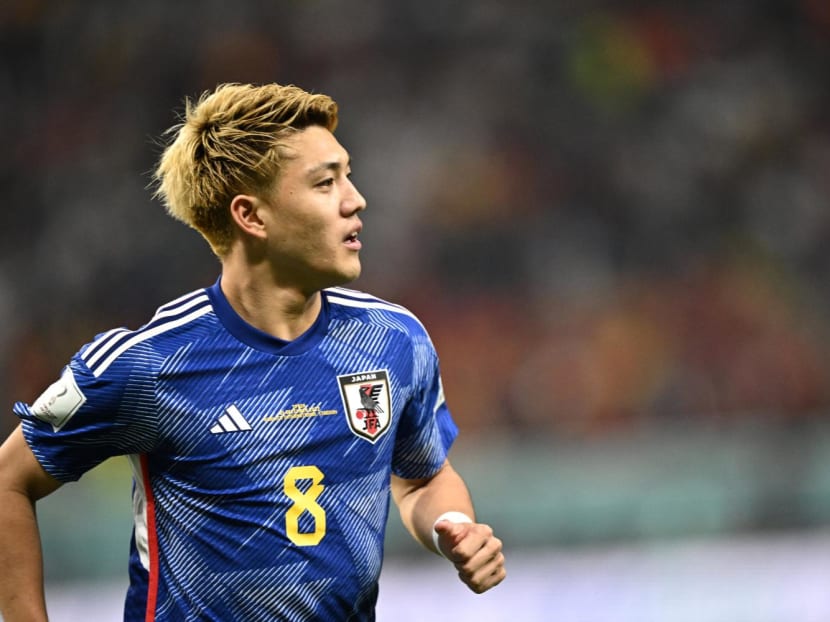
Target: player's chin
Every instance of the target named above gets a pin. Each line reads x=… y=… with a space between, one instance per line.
x=348 y=271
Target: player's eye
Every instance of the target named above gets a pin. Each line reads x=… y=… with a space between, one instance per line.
x=329 y=181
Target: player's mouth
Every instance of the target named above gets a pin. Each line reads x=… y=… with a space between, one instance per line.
x=352 y=240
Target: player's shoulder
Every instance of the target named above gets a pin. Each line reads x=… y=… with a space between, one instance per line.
x=371 y=308
x=171 y=322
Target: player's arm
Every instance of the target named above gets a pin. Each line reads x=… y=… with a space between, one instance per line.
x=470 y=546
x=22 y=482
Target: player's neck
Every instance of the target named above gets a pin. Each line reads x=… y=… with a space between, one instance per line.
x=283 y=312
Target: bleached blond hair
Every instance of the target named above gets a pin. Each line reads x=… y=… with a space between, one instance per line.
x=230 y=142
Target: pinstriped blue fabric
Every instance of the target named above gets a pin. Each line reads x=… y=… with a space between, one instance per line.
x=262 y=467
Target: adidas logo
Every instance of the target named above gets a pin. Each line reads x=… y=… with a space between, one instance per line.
x=231 y=421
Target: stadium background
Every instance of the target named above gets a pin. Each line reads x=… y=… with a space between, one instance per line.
x=612 y=216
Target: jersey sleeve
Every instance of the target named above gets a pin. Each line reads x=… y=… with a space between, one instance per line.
x=83 y=419
x=426 y=431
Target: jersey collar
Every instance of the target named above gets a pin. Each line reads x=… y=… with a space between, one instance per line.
x=260 y=340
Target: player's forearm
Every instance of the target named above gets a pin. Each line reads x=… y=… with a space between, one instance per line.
x=420 y=505
x=21 y=582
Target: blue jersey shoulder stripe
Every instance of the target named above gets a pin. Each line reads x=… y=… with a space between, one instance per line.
x=184 y=301
x=93 y=351
x=112 y=339
x=109 y=339
x=352 y=293
x=168 y=317
x=353 y=298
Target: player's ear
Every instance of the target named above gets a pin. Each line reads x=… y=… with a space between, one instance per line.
x=246 y=213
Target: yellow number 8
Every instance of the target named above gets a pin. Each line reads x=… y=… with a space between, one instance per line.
x=304 y=502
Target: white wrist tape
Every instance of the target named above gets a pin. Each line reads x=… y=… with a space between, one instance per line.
x=453 y=517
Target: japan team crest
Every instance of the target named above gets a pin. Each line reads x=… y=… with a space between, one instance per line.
x=368 y=403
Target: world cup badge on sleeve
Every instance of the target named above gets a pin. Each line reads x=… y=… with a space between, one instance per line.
x=368 y=403
x=60 y=401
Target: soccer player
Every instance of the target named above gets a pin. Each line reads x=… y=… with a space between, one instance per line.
x=266 y=417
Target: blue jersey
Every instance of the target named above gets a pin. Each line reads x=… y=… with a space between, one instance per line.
x=261 y=467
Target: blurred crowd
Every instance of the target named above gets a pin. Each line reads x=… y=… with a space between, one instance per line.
x=608 y=214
